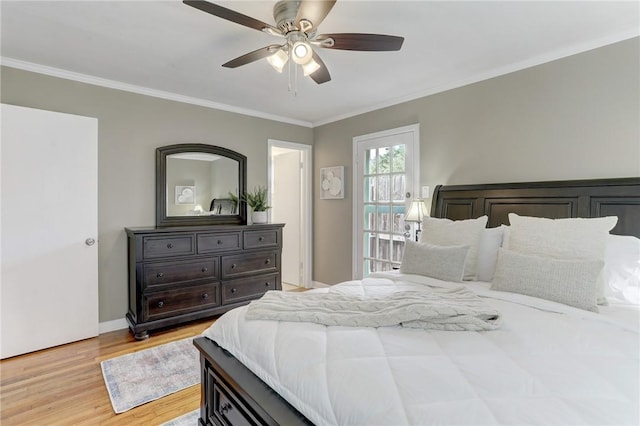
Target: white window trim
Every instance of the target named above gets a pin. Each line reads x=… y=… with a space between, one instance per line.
x=357 y=192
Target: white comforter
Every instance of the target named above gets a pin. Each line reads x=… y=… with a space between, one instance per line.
x=547 y=364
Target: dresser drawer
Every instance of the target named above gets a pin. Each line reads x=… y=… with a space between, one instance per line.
x=250 y=263
x=160 y=273
x=168 y=246
x=163 y=304
x=212 y=243
x=261 y=238
x=249 y=288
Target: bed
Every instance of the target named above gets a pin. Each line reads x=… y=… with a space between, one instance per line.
x=540 y=360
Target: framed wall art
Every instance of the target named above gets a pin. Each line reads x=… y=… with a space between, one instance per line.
x=332 y=183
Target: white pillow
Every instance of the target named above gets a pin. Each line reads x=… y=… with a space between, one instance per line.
x=490 y=243
x=446 y=232
x=571 y=282
x=443 y=263
x=572 y=238
x=622 y=269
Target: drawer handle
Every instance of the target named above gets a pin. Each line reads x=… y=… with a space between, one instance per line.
x=219 y=242
x=261 y=239
x=268 y=261
x=233 y=266
x=226 y=407
x=267 y=284
x=160 y=304
x=234 y=290
x=205 y=296
x=160 y=275
x=205 y=269
x=169 y=245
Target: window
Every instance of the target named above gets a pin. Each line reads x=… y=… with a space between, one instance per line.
x=385 y=175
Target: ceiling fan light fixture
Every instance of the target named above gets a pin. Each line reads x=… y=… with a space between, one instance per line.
x=305 y=25
x=278 y=60
x=310 y=67
x=297 y=22
x=301 y=52
x=272 y=31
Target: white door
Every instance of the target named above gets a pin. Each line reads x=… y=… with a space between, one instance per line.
x=48 y=228
x=386 y=166
x=290 y=193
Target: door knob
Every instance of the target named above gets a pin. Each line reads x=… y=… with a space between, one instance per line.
x=89 y=241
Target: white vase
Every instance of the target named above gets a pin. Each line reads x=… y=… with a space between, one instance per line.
x=259 y=217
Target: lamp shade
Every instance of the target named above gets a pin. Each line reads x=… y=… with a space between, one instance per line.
x=417 y=211
x=278 y=60
x=310 y=67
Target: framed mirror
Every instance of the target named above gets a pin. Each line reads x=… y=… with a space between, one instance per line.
x=199 y=184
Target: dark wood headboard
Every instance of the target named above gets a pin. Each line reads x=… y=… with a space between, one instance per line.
x=560 y=199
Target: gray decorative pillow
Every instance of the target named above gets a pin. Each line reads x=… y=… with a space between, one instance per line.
x=571 y=282
x=569 y=239
x=445 y=232
x=440 y=262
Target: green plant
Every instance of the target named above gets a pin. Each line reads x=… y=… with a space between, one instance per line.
x=257 y=199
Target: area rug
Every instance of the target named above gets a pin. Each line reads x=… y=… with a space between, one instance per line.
x=189 y=419
x=144 y=376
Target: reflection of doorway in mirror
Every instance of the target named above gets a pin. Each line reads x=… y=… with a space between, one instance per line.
x=185 y=194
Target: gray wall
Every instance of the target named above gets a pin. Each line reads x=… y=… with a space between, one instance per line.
x=130 y=128
x=569 y=119
x=575 y=118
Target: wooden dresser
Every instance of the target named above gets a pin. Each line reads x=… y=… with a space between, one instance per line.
x=185 y=273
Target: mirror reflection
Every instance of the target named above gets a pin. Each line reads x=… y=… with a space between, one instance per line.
x=201 y=184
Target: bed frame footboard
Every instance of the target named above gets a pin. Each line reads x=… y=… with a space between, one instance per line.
x=233 y=395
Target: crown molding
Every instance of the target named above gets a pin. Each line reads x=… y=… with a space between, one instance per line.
x=495 y=72
x=112 y=84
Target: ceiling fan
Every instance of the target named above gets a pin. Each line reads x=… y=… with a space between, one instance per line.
x=297 y=22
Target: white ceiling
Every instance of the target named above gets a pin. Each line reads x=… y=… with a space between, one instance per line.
x=171 y=50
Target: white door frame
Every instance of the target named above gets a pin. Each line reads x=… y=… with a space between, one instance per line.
x=306 y=200
x=413 y=167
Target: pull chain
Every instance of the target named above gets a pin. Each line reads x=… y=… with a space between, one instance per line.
x=293 y=87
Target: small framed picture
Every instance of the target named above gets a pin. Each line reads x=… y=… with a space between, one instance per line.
x=332 y=183
x=185 y=194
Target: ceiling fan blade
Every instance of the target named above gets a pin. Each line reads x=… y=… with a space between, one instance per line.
x=231 y=15
x=252 y=56
x=362 y=42
x=314 y=11
x=322 y=74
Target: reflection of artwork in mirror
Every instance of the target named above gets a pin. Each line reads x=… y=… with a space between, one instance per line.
x=216 y=177
x=185 y=195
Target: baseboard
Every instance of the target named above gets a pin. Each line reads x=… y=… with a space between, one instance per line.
x=318 y=284
x=107 y=326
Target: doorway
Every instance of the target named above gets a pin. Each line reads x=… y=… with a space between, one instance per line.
x=386 y=176
x=290 y=194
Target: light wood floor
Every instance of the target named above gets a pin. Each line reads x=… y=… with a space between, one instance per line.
x=64 y=385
